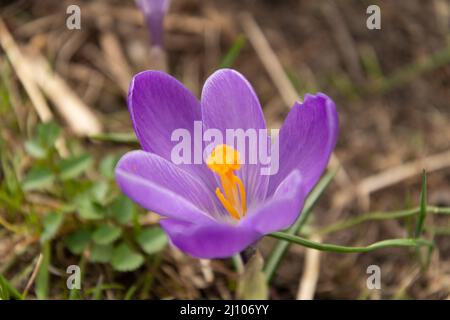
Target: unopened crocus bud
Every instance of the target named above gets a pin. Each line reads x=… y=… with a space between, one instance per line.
x=154 y=12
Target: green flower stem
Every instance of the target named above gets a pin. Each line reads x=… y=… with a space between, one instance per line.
x=438 y=231
x=343 y=249
x=423 y=207
x=116 y=137
x=341 y=225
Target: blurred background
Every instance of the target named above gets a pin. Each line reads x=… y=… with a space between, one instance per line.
x=58 y=201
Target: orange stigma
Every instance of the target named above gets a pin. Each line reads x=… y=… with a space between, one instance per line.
x=224 y=161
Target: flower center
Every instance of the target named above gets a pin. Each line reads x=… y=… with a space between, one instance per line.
x=224 y=161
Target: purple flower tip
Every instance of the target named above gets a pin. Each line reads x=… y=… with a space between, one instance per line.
x=154 y=12
x=221 y=202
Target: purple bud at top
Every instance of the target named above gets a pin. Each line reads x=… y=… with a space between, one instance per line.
x=154 y=12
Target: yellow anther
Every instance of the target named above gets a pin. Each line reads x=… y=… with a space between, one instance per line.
x=231 y=210
x=224 y=160
x=242 y=193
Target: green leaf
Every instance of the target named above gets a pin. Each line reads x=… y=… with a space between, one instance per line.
x=7 y=291
x=101 y=253
x=106 y=234
x=78 y=241
x=88 y=209
x=233 y=52
x=152 y=240
x=423 y=206
x=48 y=133
x=119 y=137
x=43 y=276
x=108 y=165
x=373 y=216
x=38 y=178
x=34 y=149
x=130 y=293
x=8 y=166
x=51 y=222
x=74 y=166
x=46 y=136
x=126 y=259
x=122 y=209
x=99 y=191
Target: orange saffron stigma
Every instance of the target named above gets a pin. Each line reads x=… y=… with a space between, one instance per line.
x=224 y=161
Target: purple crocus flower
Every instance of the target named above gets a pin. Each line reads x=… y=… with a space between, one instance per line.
x=215 y=210
x=154 y=12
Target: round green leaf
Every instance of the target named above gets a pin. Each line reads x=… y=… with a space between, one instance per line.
x=99 y=191
x=107 y=166
x=78 y=241
x=152 y=240
x=106 y=234
x=38 y=178
x=101 y=253
x=87 y=209
x=122 y=209
x=74 y=166
x=51 y=222
x=126 y=259
x=48 y=133
x=34 y=149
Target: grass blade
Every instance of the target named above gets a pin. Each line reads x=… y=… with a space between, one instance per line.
x=376 y=216
x=117 y=137
x=42 y=280
x=233 y=52
x=7 y=291
x=423 y=206
x=344 y=249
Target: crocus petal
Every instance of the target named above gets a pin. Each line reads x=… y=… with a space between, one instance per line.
x=160 y=186
x=211 y=240
x=218 y=240
x=282 y=209
x=154 y=12
x=159 y=104
x=229 y=102
x=307 y=139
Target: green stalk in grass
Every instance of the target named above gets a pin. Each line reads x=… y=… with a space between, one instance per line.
x=410 y=72
x=43 y=276
x=232 y=54
x=7 y=291
x=375 y=216
x=344 y=249
x=423 y=206
x=116 y=137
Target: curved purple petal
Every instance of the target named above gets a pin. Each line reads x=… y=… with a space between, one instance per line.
x=229 y=102
x=220 y=240
x=280 y=211
x=160 y=186
x=210 y=240
x=159 y=104
x=307 y=139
